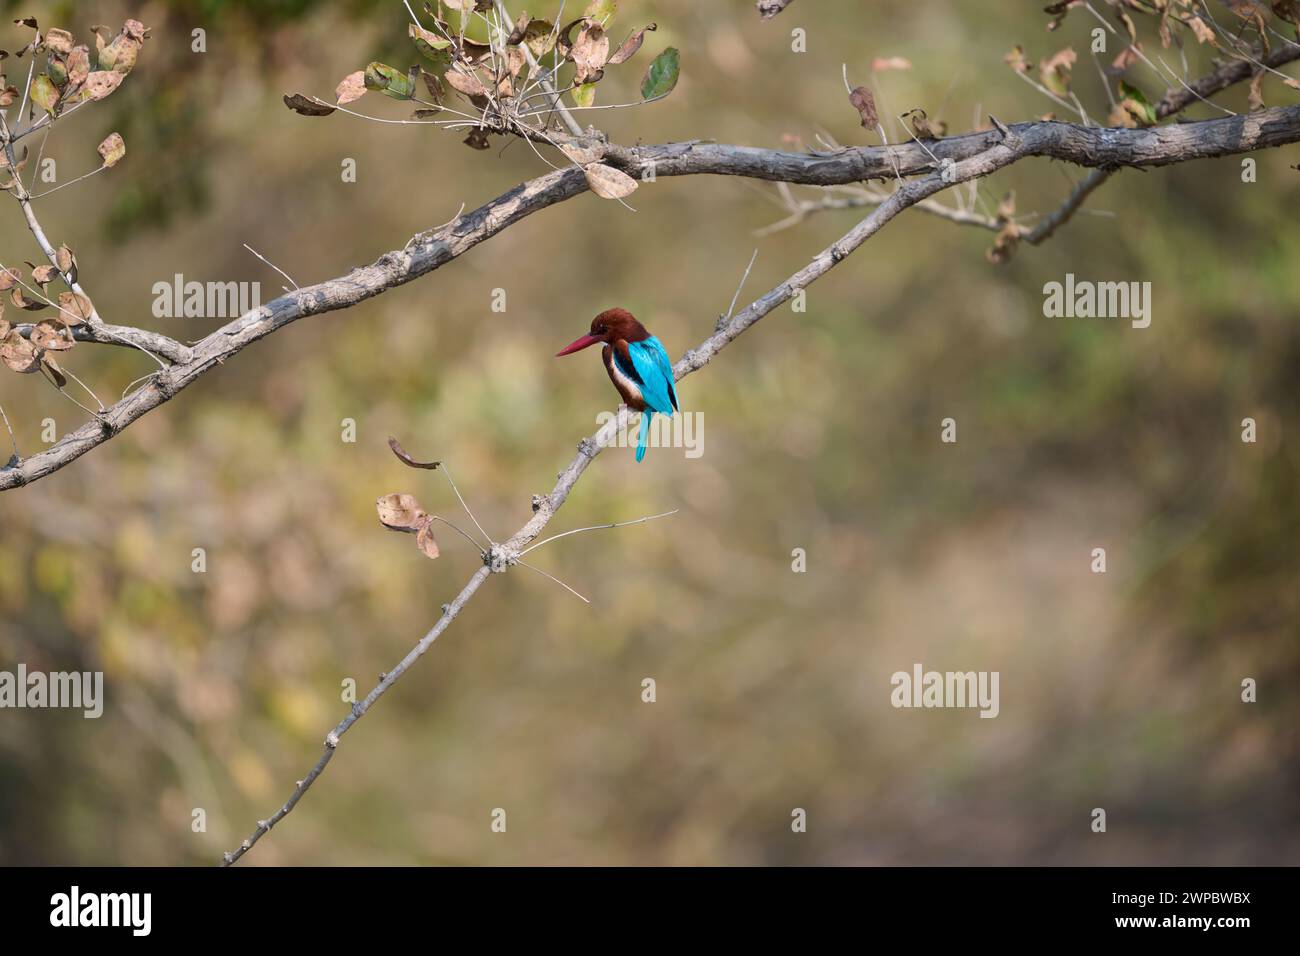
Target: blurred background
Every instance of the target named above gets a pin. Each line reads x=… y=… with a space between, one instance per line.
x=821 y=431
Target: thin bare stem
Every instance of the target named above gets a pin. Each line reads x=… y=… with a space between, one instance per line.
x=89 y=391
x=533 y=567
x=598 y=527
x=13 y=441
x=486 y=536
x=70 y=182
x=732 y=308
x=273 y=266
x=478 y=547
x=49 y=377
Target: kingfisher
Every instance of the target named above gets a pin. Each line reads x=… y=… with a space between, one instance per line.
x=637 y=364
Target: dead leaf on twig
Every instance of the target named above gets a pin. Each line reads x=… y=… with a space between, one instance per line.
x=865 y=104
x=608 y=182
x=405 y=457
x=400 y=512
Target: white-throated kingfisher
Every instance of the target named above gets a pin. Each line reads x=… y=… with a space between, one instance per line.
x=637 y=364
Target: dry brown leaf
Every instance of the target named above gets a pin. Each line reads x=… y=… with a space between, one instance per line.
x=627 y=49
x=1017 y=61
x=306 y=105
x=60 y=41
x=1255 y=98
x=608 y=182
x=351 y=87
x=1004 y=244
x=1126 y=113
x=52 y=368
x=1055 y=70
x=18 y=354
x=1203 y=33
x=425 y=541
x=102 y=82
x=112 y=149
x=590 y=53
x=400 y=512
x=924 y=127
x=75 y=308
x=865 y=104
x=1126 y=58
x=52 y=334
x=78 y=66
x=467 y=83
x=405 y=457
x=17 y=297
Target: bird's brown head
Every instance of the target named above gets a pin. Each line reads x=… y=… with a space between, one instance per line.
x=608 y=327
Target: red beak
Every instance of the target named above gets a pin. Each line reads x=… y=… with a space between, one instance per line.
x=578 y=345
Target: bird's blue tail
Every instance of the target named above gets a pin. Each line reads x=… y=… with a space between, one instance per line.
x=645 y=432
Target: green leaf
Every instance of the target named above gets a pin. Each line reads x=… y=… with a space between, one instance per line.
x=44 y=93
x=389 y=81
x=431 y=46
x=1130 y=92
x=585 y=94
x=661 y=77
x=57 y=71
x=602 y=10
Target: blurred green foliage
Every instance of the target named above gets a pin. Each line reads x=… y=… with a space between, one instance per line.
x=821 y=432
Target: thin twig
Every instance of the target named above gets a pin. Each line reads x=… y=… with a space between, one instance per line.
x=272 y=265
x=533 y=567
x=13 y=441
x=732 y=308
x=487 y=536
x=464 y=534
x=599 y=527
x=70 y=182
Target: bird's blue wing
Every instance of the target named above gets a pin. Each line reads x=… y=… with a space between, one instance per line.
x=655 y=370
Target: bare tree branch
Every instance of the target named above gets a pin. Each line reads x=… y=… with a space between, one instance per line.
x=1019 y=142
x=1174 y=101
x=102 y=333
x=767 y=9
x=1231 y=73
x=1102 y=148
x=1049 y=224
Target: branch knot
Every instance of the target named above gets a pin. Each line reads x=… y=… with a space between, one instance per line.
x=499 y=558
